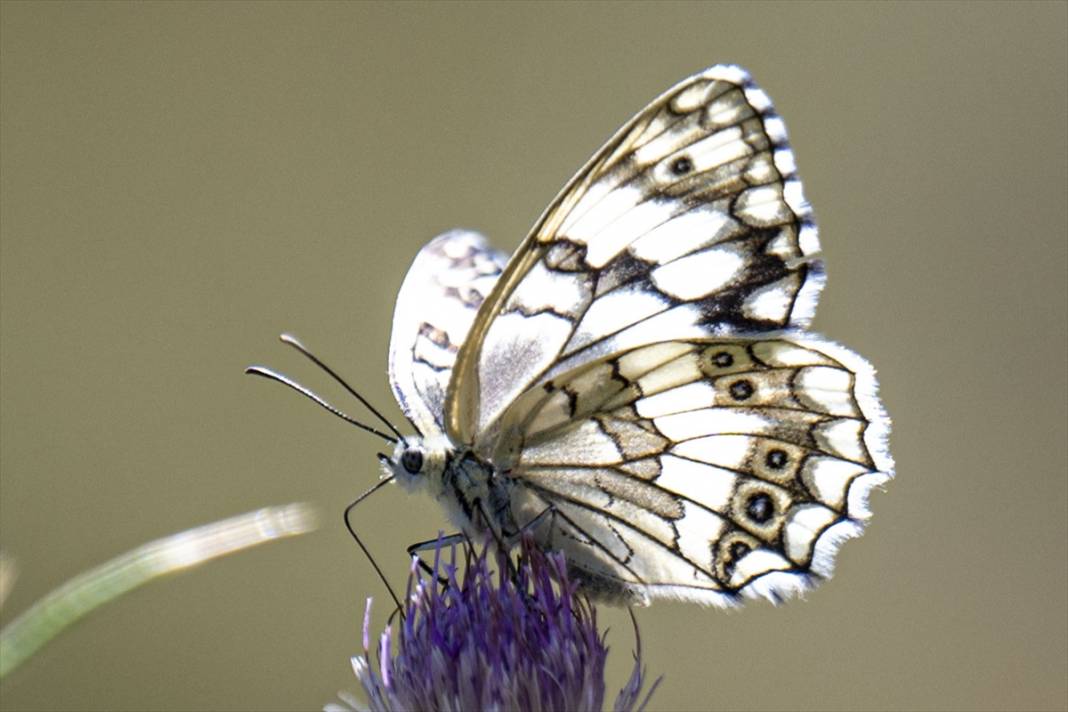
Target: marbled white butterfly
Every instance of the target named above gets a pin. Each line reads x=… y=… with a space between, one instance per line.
x=635 y=386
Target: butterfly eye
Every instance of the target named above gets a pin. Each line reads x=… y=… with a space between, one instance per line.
x=412 y=461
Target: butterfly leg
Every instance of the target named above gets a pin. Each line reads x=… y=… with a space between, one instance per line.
x=503 y=541
x=430 y=544
x=548 y=513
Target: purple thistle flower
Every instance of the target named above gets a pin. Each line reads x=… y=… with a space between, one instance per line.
x=523 y=638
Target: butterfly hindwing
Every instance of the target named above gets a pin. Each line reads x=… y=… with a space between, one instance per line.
x=446 y=284
x=704 y=469
x=689 y=222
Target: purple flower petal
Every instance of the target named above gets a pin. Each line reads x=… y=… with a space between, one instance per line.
x=494 y=641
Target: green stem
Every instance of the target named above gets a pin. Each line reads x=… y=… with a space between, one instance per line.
x=70 y=602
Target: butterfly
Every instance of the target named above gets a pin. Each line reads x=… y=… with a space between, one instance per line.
x=635 y=387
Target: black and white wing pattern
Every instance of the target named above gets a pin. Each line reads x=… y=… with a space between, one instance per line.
x=706 y=469
x=450 y=278
x=639 y=370
x=689 y=222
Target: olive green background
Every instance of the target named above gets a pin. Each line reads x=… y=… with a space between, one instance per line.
x=181 y=183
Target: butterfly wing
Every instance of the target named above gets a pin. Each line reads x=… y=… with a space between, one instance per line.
x=448 y=281
x=689 y=222
x=704 y=469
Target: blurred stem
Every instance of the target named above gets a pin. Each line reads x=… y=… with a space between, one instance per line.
x=59 y=609
x=8 y=573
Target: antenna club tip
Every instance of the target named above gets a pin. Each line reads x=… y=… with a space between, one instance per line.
x=287 y=338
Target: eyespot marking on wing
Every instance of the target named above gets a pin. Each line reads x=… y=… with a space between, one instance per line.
x=746 y=436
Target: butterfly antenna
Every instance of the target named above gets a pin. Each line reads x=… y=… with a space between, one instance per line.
x=295 y=343
x=348 y=525
x=273 y=375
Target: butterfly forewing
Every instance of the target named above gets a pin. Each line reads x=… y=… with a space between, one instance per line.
x=689 y=222
x=441 y=294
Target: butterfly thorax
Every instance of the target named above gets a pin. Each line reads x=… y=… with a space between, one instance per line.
x=469 y=487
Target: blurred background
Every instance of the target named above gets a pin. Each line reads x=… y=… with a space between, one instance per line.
x=182 y=182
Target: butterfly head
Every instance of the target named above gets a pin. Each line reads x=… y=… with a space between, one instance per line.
x=415 y=462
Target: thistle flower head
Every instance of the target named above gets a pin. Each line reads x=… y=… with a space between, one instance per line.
x=520 y=638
